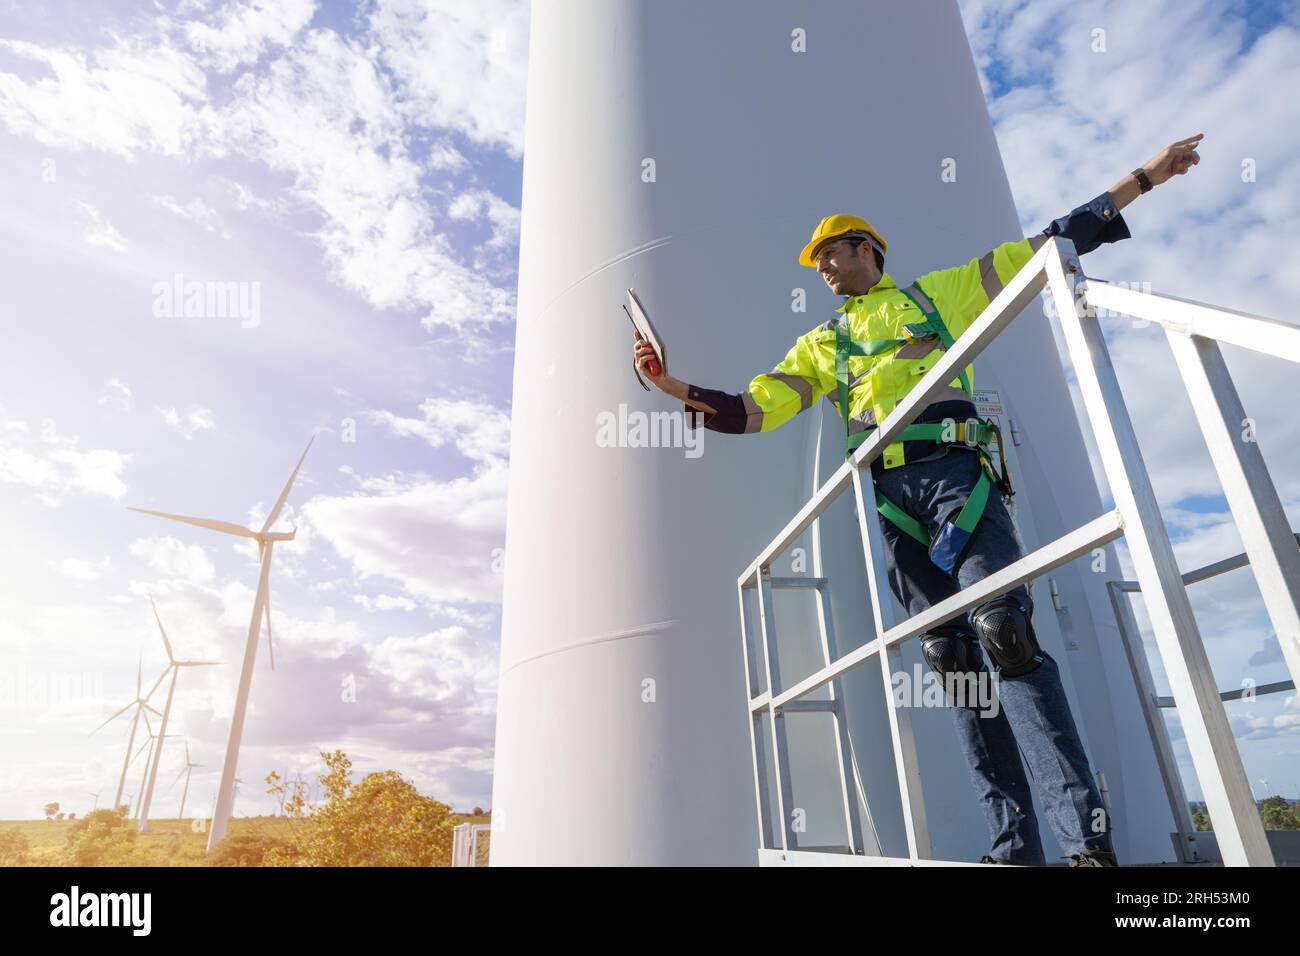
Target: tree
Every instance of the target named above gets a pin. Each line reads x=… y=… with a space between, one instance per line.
x=246 y=849
x=13 y=847
x=50 y=810
x=382 y=821
x=1277 y=814
x=100 y=837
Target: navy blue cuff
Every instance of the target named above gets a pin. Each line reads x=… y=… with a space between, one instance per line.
x=1090 y=225
x=729 y=418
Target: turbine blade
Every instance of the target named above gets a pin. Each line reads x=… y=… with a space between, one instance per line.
x=178 y=777
x=163 y=631
x=284 y=495
x=113 y=718
x=139 y=669
x=161 y=678
x=227 y=526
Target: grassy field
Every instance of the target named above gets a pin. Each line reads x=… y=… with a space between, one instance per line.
x=168 y=843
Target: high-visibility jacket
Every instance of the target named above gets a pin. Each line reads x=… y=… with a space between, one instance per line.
x=877 y=383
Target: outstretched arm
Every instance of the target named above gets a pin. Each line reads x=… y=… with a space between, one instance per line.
x=1174 y=160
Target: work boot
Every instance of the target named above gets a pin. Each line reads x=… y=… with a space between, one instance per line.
x=1089 y=857
x=988 y=859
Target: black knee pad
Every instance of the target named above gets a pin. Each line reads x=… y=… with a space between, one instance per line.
x=950 y=652
x=1006 y=632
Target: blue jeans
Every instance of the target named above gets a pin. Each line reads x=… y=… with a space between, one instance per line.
x=1034 y=705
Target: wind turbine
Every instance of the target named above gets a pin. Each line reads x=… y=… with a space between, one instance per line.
x=96 y=795
x=140 y=703
x=186 y=770
x=265 y=539
x=156 y=754
x=144 y=783
x=232 y=800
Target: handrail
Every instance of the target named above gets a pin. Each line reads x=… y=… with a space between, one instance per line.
x=1192 y=328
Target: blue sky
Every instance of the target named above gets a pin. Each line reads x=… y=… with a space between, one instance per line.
x=360 y=166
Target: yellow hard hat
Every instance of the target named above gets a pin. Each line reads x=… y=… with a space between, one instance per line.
x=839 y=226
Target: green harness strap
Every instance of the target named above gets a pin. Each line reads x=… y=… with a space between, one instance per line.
x=945 y=549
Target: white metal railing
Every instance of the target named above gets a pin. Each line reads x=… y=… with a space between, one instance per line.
x=468 y=842
x=1193 y=330
x=1185 y=835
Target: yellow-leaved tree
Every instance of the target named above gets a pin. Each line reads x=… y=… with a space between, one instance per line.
x=381 y=821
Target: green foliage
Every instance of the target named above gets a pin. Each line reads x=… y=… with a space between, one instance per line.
x=247 y=849
x=50 y=810
x=14 y=847
x=382 y=821
x=102 y=837
x=1277 y=814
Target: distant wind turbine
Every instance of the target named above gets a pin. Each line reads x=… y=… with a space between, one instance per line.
x=154 y=741
x=265 y=539
x=156 y=755
x=96 y=794
x=140 y=703
x=185 y=771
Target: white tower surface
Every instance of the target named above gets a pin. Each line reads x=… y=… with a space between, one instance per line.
x=687 y=150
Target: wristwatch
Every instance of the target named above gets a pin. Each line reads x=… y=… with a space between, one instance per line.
x=1144 y=181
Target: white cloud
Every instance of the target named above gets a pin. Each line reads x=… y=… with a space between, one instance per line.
x=448 y=665
x=98 y=231
x=245 y=200
x=117 y=395
x=174 y=558
x=325 y=115
x=385 y=602
x=445 y=156
x=80 y=570
x=479 y=432
x=244 y=32
x=459 y=65
x=197 y=212
x=436 y=539
x=136 y=95
x=55 y=466
x=322 y=112
x=189 y=423
x=503 y=218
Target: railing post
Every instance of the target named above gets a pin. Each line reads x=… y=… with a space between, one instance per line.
x=780 y=749
x=1265 y=530
x=839 y=715
x=754 y=719
x=900 y=719
x=1209 y=736
x=1131 y=637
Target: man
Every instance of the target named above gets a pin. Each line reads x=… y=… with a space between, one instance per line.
x=943 y=530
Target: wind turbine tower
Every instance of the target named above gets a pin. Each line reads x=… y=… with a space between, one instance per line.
x=266 y=539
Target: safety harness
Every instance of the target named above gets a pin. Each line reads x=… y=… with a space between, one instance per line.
x=946 y=549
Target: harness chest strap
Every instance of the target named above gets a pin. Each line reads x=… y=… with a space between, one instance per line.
x=948 y=546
